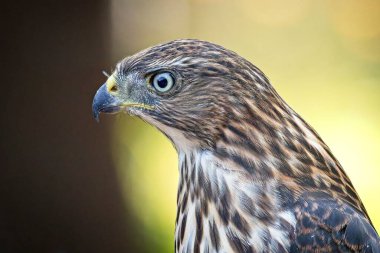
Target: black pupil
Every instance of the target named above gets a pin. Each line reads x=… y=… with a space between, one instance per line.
x=162 y=82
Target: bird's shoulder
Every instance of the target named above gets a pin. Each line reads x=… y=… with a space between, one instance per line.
x=326 y=224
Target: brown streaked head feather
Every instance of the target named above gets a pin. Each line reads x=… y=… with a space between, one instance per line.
x=224 y=103
x=209 y=79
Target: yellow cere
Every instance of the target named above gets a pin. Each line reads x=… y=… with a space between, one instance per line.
x=111 y=83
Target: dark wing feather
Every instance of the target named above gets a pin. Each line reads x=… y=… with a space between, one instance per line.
x=325 y=224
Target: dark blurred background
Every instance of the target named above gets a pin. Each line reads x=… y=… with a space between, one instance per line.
x=57 y=184
x=68 y=184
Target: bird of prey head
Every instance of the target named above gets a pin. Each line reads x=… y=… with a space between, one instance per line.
x=254 y=176
x=186 y=88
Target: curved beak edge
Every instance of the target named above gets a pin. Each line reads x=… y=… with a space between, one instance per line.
x=104 y=102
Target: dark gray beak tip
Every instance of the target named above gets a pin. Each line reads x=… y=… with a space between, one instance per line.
x=101 y=101
x=95 y=114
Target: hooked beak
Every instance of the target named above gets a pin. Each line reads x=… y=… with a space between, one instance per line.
x=105 y=102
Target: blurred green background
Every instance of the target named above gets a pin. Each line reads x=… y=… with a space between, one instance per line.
x=323 y=57
x=70 y=185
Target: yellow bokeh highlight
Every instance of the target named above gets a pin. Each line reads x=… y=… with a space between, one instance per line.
x=147 y=165
x=355 y=18
x=275 y=12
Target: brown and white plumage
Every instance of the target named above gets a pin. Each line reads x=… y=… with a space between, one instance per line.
x=254 y=176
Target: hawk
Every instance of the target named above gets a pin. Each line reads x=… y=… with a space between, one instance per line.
x=254 y=176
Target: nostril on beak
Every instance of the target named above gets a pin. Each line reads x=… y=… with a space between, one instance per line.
x=113 y=88
x=111 y=85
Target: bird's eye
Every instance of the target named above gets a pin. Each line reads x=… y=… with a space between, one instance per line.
x=163 y=82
